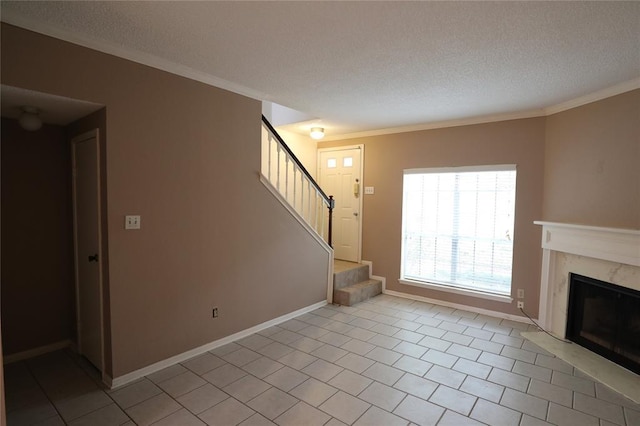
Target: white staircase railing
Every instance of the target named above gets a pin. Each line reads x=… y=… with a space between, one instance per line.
x=294 y=183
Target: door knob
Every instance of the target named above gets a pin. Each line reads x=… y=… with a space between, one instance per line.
x=93 y=258
x=355 y=214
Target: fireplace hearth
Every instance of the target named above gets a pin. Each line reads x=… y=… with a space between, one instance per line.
x=605 y=318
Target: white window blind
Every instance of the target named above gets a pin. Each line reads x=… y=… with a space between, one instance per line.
x=457 y=227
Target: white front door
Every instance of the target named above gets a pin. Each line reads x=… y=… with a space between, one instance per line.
x=88 y=256
x=340 y=175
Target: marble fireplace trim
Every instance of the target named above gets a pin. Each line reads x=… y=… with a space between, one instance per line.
x=607 y=254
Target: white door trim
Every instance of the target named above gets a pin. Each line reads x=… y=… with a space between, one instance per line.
x=361 y=177
x=95 y=133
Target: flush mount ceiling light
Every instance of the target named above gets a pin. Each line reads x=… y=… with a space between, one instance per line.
x=29 y=119
x=317 y=133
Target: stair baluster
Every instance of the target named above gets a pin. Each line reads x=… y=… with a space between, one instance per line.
x=286 y=159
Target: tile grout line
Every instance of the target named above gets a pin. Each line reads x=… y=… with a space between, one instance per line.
x=26 y=364
x=80 y=367
x=100 y=386
x=331 y=344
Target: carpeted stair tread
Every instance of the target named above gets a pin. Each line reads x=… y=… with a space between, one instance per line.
x=351 y=276
x=357 y=292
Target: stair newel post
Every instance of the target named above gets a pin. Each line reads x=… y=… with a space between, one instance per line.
x=330 y=231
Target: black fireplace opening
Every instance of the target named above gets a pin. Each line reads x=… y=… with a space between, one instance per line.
x=605 y=318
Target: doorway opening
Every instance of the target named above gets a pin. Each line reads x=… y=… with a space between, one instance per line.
x=38 y=207
x=87 y=241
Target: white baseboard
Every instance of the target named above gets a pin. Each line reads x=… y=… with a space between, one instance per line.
x=383 y=279
x=441 y=302
x=137 y=374
x=369 y=264
x=496 y=314
x=31 y=353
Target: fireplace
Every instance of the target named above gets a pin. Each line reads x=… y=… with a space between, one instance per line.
x=611 y=255
x=605 y=318
x=606 y=254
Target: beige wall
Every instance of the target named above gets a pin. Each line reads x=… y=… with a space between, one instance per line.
x=186 y=157
x=582 y=165
x=37 y=245
x=519 y=142
x=592 y=164
x=281 y=171
x=305 y=148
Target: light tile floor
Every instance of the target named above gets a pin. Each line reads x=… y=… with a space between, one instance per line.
x=387 y=361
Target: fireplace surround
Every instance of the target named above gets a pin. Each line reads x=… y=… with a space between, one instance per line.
x=607 y=254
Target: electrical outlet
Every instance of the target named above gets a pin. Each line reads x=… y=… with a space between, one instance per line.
x=215 y=313
x=521 y=293
x=520 y=305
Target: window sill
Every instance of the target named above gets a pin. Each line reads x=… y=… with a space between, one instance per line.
x=455 y=290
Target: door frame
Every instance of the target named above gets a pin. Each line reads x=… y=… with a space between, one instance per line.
x=361 y=177
x=95 y=133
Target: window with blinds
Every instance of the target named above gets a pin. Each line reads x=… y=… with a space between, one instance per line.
x=457 y=227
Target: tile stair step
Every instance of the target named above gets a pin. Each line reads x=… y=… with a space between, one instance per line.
x=356 y=293
x=350 y=276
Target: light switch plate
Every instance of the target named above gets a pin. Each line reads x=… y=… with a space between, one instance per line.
x=369 y=190
x=131 y=222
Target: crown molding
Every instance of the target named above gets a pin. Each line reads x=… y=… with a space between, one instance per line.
x=132 y=55
x=608 y=92
x=440 y=125
x=187 y=72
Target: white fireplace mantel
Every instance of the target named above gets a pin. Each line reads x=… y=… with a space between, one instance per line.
x=613 y=244
x=616 y=245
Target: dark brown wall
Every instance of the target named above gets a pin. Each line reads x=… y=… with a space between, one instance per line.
x=186 y=157
x=592 y=164
x=519 y=142
x=37 y=245
x=3 y=410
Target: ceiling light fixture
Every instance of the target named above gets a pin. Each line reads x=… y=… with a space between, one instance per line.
x=29 y=119
x=317 y=133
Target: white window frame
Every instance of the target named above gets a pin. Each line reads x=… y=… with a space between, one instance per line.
x=443 y=286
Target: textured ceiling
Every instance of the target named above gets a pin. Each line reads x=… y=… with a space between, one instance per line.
x=52 y=109
x=361 y=66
